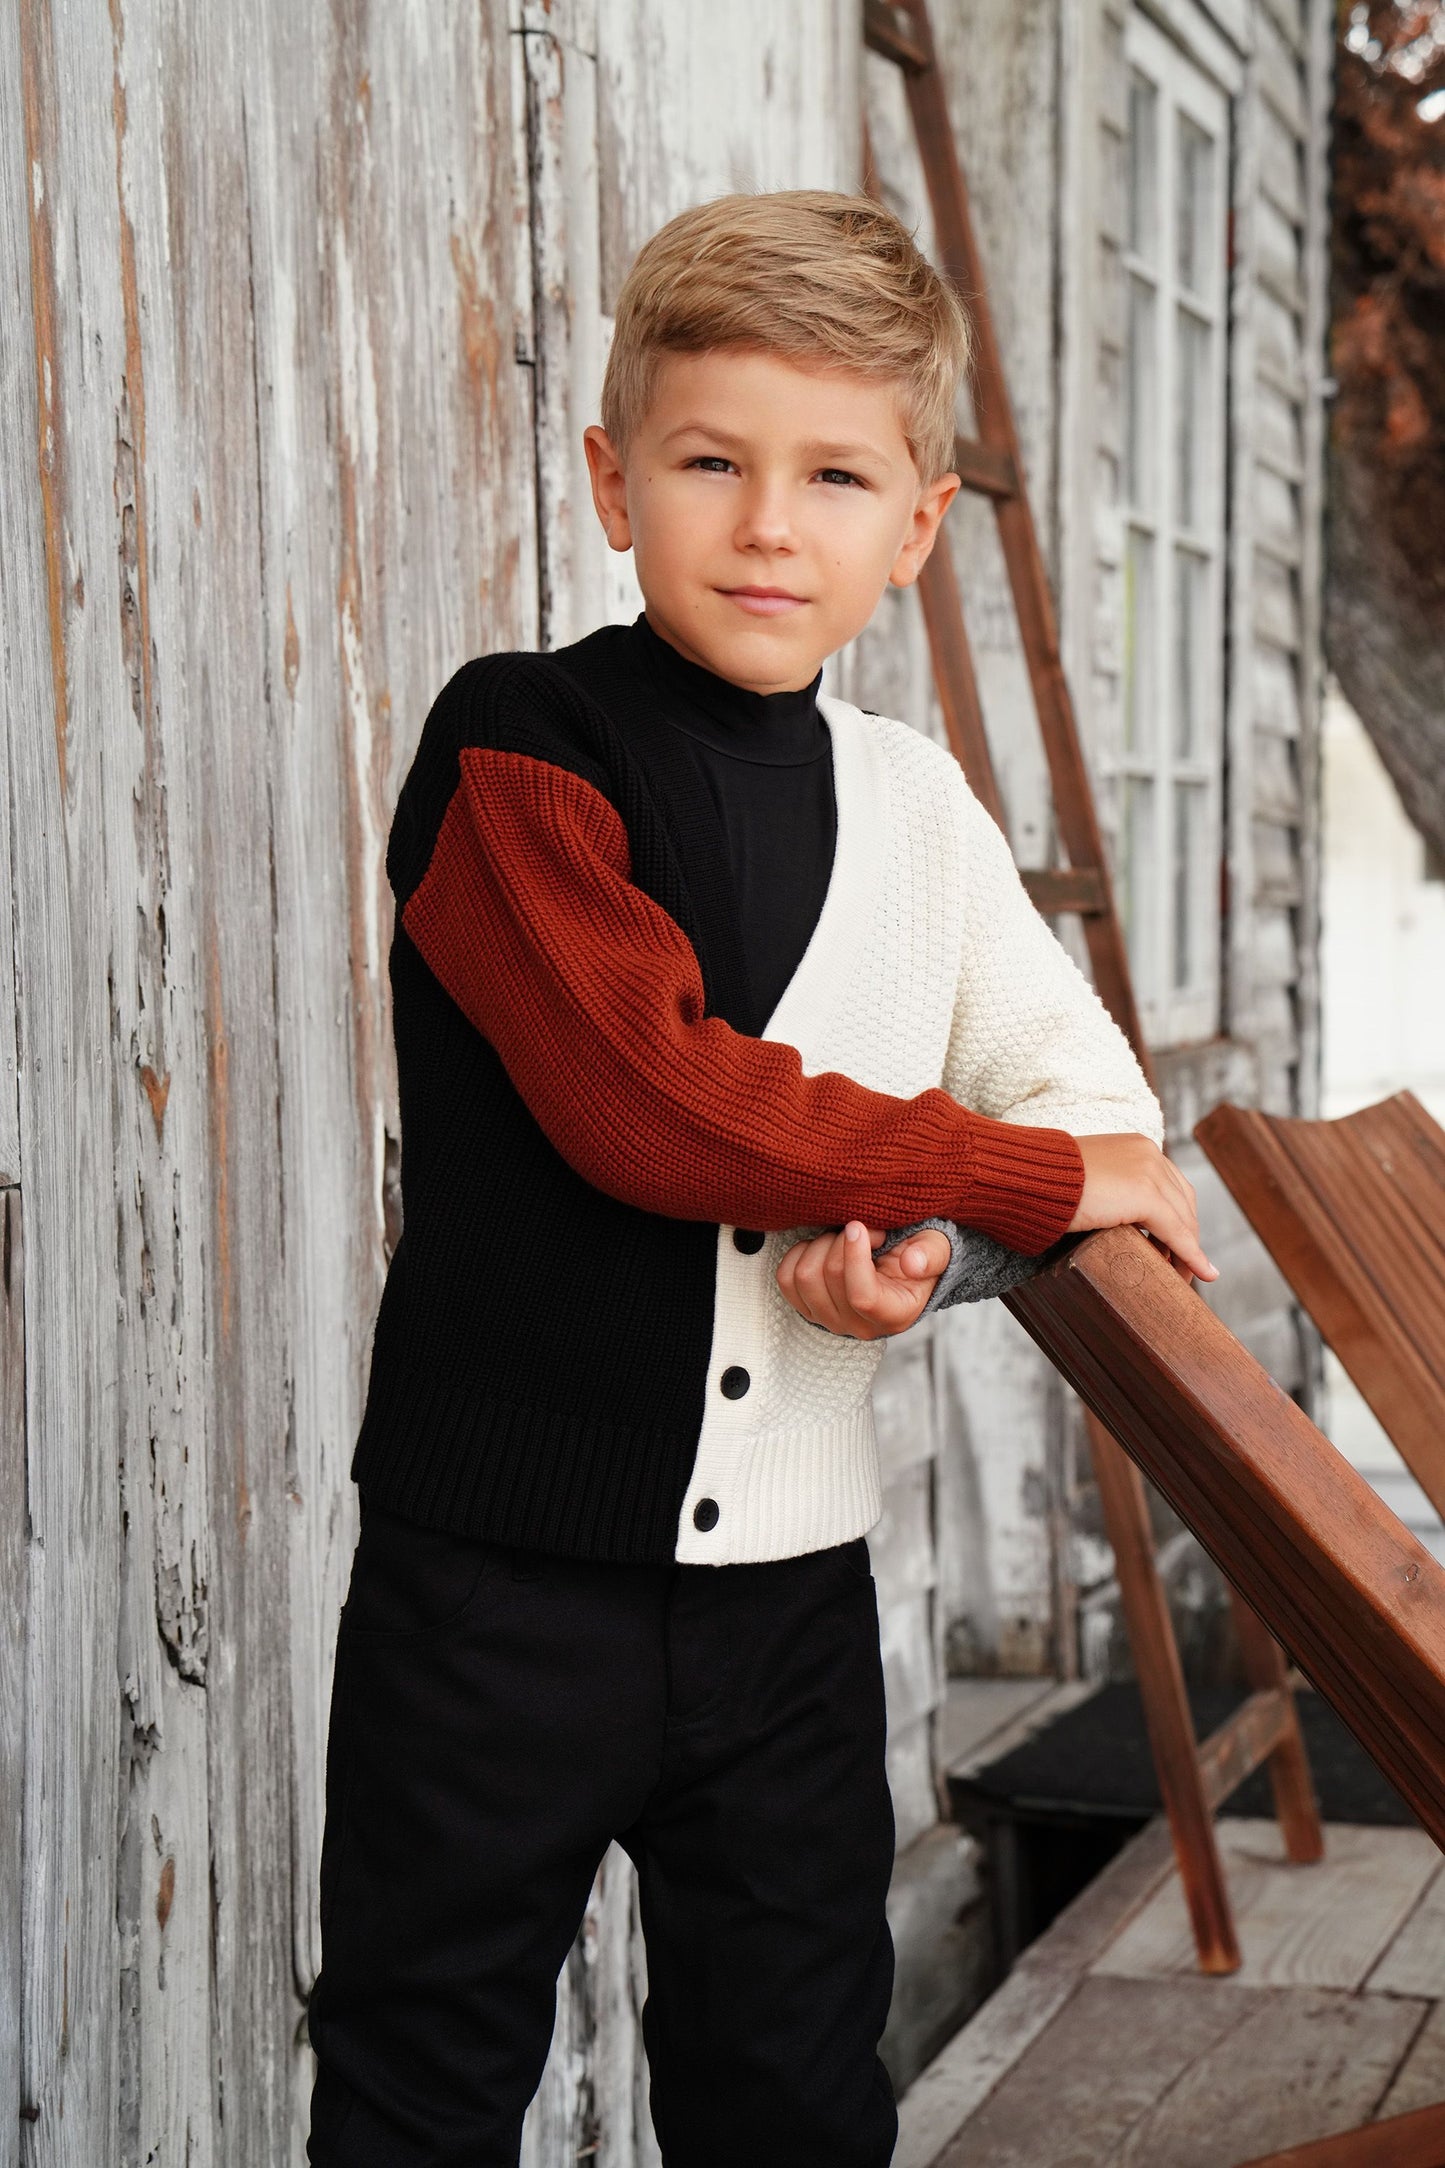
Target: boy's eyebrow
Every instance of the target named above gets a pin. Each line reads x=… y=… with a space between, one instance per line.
x=817 y=448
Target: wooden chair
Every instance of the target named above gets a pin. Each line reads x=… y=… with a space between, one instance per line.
x=1357 y=1600
x=1353 y=1213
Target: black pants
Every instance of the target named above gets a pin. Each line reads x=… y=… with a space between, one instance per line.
x=497 y=1716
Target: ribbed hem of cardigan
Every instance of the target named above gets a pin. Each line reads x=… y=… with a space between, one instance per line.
x=536 y=1477
x=1024 y=1184
x=784 y=1492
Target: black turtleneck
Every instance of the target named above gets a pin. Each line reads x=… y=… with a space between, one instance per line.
x=767 y=763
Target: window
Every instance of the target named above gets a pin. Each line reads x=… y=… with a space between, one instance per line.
x=1176 y=271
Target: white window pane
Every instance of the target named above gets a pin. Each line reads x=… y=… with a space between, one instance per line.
x=1192 y=674
x=1138 y=879
x=1191 y=883
x=1141 y=376
x=1141 y=622
x=1194 y=205
x=1193 y=361
x=1143 y=165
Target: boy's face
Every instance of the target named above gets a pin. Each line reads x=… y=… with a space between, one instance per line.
x=767 y=506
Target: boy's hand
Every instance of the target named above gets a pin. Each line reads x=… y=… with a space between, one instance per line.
x=834 y=1281
x=1129 y=1182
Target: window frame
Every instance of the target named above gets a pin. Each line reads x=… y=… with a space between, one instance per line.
x=1159 y=778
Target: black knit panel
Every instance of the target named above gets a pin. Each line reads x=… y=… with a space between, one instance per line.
x=554 y=1403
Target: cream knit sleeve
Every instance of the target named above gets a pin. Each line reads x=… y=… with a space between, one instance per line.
x=1031 y=1040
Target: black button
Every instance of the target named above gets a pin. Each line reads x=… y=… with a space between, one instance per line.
x=705 y=1514
x=748 y=1240
x=734 y=1382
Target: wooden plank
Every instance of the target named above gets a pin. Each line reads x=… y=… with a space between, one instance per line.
x=939 y=2103
x=909 y=1761
x=1241 y=1743
x=60 y=456
x=14 y=1606
x=1296 y=2066
x=1410 y=2141
x=1420 y=2080
x=1392 y=1235
x=984 y=468
x=909 y=1663
x=372 y=595
x=1072 y=2099
x=901 y=1543
x=903 y=1416
x=1133 y=2074
x=1325 y=1231
x=562 y=134
x=981 y=1720
x=1358 y=1602
x=1414 y=1963
x=1327 y=1928
x=1067 y=888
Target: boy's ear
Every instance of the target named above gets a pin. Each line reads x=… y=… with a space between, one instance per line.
x=609 y=486
x=932 y=503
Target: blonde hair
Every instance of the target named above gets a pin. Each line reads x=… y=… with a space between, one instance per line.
x=822 y=278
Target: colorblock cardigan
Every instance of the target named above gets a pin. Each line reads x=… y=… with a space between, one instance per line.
x=581 y=1345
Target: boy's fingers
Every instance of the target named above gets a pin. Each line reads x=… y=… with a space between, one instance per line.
x=921 y=1257
x=810 y=1278
x=1175 y=1232
x=860 y=1274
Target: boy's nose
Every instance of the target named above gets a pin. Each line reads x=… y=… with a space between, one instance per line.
x=766 y=524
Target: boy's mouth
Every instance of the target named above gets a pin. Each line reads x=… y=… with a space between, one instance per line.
x=764 y=601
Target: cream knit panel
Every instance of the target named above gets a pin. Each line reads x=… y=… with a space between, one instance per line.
x=929 y=966
x=1031 y=1040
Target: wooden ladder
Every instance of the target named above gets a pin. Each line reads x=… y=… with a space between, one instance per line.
x=1193 y=1780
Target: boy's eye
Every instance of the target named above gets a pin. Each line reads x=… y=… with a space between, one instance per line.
x=840 y=477
x=711 y=463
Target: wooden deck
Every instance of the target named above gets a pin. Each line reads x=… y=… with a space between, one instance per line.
x=1104 y=2048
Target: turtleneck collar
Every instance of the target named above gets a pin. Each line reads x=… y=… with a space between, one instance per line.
x=780 y=730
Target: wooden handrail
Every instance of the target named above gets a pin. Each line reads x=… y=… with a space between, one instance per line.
x=1356 y=1599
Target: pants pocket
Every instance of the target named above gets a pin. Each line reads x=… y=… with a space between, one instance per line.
x=409 y=1580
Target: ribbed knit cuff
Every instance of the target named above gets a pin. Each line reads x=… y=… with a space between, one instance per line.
x=1023 y=1184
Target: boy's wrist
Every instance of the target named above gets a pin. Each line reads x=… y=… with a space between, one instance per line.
x=1023 y=1184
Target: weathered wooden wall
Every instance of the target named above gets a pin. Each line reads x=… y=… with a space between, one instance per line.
x=266 y=476
x=300 y=318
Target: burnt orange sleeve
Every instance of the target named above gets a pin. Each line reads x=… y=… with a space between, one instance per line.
x=593 y=999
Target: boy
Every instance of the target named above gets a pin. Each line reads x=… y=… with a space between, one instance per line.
x=697 y=980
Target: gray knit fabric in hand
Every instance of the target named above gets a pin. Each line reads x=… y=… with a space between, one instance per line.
x=979 y=1266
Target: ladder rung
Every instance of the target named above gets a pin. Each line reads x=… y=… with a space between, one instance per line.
x=1243 y=1741
x=983 y=468
x=883 y=33
x=1066 y=888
